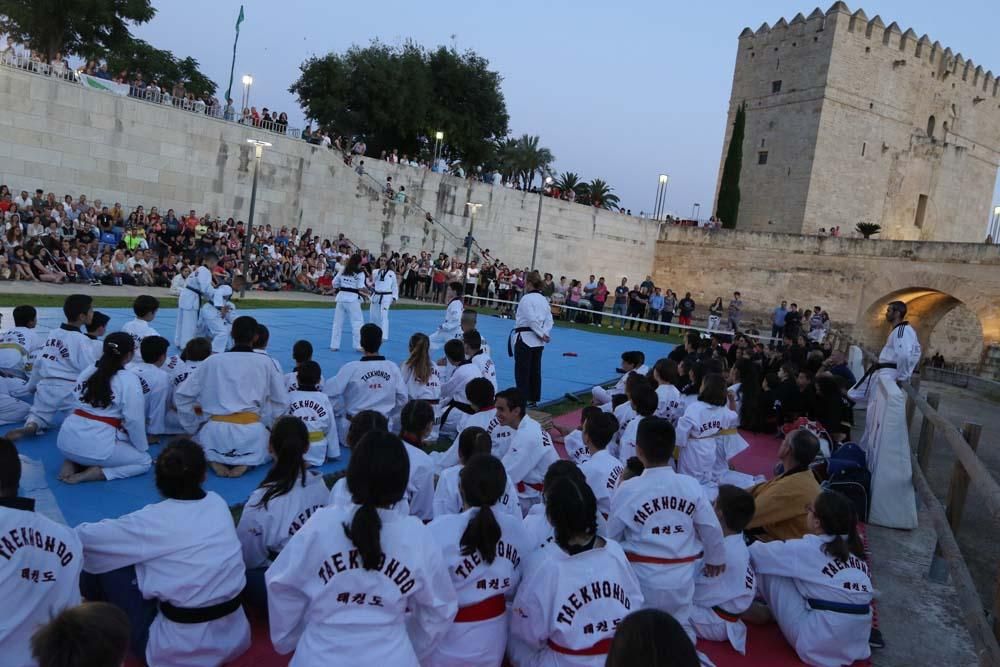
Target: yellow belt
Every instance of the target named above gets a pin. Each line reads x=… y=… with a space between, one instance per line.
x=238 y=418
x=316 y=436
x=13 y=346
x=725 y=431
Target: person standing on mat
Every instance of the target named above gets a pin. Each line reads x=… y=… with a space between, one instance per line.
x=349 y=286
x=533 y=323
x=385 y=292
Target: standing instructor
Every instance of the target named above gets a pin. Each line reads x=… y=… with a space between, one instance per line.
x=527 y=340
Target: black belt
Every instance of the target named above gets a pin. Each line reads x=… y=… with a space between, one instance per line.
x=456 y=405
x=192 y=615
x=515 y=335
x=272 y=555
x=352 y=290
x=874 y=368
x=839 y=607
x=383 y=293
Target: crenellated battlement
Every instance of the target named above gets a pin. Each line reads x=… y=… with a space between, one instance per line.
x=901 y=45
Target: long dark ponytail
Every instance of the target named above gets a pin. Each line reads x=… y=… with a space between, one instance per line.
x=483 y=481
x=839 y=520
x=571 y=508
x=97 y=388
x=289 y=442
x=376 y=477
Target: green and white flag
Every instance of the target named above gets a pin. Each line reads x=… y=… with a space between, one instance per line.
x=232 y=67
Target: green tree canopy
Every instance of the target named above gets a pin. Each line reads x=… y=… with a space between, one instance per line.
x=398 y=97
x=53 y=27
x=598 y=193
x=728 y=207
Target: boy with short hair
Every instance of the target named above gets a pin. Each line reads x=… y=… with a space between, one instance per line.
x=308 y=402
x=96 y=329
x=260 y=341
x=576 y=448
x=453 y=399
x=719 y=601
x=19 y=344
x=154 y=380
x=93 y=634
x=634 y=360
x=480 y=357
x=302 y=352
x=644 y=403
x=602 y=469
x=482 y=398
x=145 y=307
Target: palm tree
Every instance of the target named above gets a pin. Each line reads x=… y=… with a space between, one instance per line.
x=598 y=193
x=569 y=181
x=521 y=159
x=868 y=229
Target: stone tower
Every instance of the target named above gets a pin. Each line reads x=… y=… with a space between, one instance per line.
x=849 y=119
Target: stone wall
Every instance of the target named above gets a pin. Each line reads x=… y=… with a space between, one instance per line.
x=63 y=138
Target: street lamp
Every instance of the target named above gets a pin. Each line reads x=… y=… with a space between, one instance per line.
x=538 y=219
x=661 y=196
x=995 y=225
x=695 y=210
x=473 y=208
x=247 y=82
x=438 y=137
x=258 y=148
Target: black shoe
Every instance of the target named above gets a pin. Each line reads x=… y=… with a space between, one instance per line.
x=875 y=639
x=573 y=397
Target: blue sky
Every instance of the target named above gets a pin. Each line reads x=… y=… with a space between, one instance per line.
x=620 y=91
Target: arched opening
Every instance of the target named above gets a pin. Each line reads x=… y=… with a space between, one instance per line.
x=931 y=124
x=944 y=324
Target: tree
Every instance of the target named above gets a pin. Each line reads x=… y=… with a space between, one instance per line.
x=868 y=229
x=569 y=182
x=728 y=207
x=62 y=27
x=599 y=194
x=528 y=158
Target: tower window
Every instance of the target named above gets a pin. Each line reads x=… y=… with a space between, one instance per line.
x=762 y=157
x=864 y=145
x=775 y=86
x=931 y=124
x=918 y=221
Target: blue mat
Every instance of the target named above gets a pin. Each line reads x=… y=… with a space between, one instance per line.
x=598 y=357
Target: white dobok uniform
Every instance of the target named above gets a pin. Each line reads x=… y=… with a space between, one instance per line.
x=65 y=354
x=448 y=498
x=385 y=292
x=429 y=391
x=899 y=357
x=138 y=329
x=602 y=471
x=486 y=366
x=707 y=438
x=485 y=419
x=454 y=403
x=602 y=396
x=576 y=448
x=216 y=318
x=624 y=414
x=12 y=409
x=40 y=563
x=197 y=287
x=340 y=496
x=18 y=347
x=625 y=448
x=669 y=405
x=177 y=375
x=666 y=524
x=802 y=585
x=542 y=535
x=420 y=487
x=292 y=381
x=264 y=531
x=113 y=437
x=478 y=636
x=371 y=383
x=349 y=304
x=326 y=607
x=571 y=604
x=528 y=459
x=186 y=553
x=313 y=408
x=234 y=390
x=719 y=601
x=155 y=389
x=452 y=325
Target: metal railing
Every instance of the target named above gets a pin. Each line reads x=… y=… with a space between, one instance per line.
x=974 y=383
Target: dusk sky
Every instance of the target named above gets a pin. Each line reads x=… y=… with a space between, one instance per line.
x=619 y=91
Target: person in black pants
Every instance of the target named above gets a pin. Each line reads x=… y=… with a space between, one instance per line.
x=533 y=322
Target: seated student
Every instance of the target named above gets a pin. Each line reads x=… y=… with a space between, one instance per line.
x=196 y=351
x=531 y=451
x=96 y=328
x=707 y=437
x=601 y=470
x=372 y=383
x=105 y=436
x=13 y=410
x=447 y=497
x=312 y=406
x=644 y=402
x=383 y=594
x=280 y=506
x=37 y=583
x=154 y=380
x=479 y=357
x=780 y=503
x=479 y=393
x=451 y=328
x=818 y=587
x=544 y=629
x=719 y=601
x=92 y=634
x=302 y=352
x=665 y=542
x=633 y=468
x=363 y=423
x=669 y=405
x=145 y=307
x=20 y=344
x=66 y=353
x=631 y=361
x=573 y=442
x=453 y=399
x=483 y=552
x=234 y=391
x=180 y=555
x=421 y=377
x=470 y=320
x=416 y=422
x=621 y=404
x=536 y=524
x=651 y=638
x=260 y=340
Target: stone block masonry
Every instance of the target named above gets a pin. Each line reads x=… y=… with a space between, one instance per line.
x=63 y=138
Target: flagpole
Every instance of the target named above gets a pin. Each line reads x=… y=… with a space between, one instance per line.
x=232 y=67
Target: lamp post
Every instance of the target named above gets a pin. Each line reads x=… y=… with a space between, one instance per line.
x=995 y=225
x=247 y=82
x=661 y=196
x=695 y=210
x=438 y=137
x=538 y=219
x=258 y=147
x=468 y=239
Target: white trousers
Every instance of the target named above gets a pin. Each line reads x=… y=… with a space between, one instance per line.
x=53 y=400
x=12 y=410
x=350 y=309
x=125 y=461
x=378 y=313
x=709 y=625
x=669 y=588
x=215 y=328
x=234 y=444
x=601 y=396
x=187 y=326
x=713 y=322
